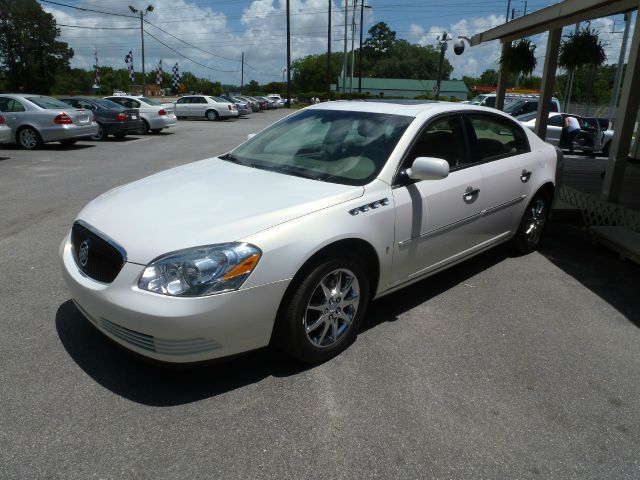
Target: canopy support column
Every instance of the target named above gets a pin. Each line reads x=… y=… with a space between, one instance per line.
x=503 y=78
x=548 y=81
x=625 y=121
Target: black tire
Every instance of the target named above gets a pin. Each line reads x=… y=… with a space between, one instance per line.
x=212 y=115
x=28 y=138
x=147 y=130
x=101 y=135
x=68 y=142
x=334 y=334
x=533 y=224
x=605 y=150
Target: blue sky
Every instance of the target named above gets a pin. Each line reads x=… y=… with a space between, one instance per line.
x=218 y=31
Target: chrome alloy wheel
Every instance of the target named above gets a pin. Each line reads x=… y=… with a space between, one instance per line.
x=536 y=219
x=332 y=308
x=28 y=138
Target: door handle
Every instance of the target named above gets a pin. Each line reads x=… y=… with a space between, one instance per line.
x=524 y=176
x=469 y=193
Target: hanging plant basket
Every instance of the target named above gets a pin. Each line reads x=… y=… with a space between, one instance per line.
x=520 y=58
x=582 y=48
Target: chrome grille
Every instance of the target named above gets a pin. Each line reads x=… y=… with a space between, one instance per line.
x=101 y=259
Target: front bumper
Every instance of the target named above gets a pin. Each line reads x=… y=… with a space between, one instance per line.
x=171 y=329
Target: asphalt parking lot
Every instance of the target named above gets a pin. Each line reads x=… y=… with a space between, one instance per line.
x=505 y=367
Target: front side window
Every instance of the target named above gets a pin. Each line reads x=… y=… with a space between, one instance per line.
x=331 y=145
x=443 y=138
x=555 y=121
x=493 y=138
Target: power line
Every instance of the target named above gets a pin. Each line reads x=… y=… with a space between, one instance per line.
x=190 y=59
x=87 y=9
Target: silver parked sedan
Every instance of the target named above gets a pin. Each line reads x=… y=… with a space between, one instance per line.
x=5 y=131
x=38 y=119
x=204 y=106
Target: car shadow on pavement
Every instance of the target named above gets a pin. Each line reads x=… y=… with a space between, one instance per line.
x=599 y=269
x=157 y=385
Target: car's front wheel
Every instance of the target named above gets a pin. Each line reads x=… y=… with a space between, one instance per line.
x=533 y=223
x=323 y=314
x=29 y=138
x=101 y=135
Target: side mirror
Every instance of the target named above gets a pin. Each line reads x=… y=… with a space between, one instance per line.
x=428 y=168
x=251 y=135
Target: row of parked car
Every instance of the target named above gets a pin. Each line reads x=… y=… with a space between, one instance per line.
x=32 y=120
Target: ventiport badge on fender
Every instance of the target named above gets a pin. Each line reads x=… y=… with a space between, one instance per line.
x=83 y=254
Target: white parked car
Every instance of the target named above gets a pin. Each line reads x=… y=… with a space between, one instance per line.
x=276 y=97
x=155 y=115
x=289 y=237
x=38 y=119
x=589 y=140
x=205 y=106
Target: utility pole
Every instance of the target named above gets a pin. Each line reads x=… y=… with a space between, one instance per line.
x=353 y=38
x=344 y=58
x=288 y=55
x=241 y=73
x=508 y=10
x=329 y=51
x=142 y=13
x=525 y=7
x=618 y=77
x=362 y=7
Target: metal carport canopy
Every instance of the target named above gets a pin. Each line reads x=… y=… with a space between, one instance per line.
x=552 y=19
x=554 y=16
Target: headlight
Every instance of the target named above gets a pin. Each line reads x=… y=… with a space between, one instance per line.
x=201 y=271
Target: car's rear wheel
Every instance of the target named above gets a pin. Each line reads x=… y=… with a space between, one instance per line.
x=212 y=115
x=147 y=129
x=605 y=150
x=101 y=135
x=29 y=138
x=533 y=223
x=323 y=313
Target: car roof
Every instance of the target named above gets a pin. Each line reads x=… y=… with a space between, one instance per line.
x=411 y=108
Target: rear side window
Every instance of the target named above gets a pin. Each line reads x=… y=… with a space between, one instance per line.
x=490 y=102
x=183 y=100
x=493 y=138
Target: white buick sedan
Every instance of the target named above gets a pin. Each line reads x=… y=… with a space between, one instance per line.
x=286 y=239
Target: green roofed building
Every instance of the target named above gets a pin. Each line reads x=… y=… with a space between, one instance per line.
x=405 y=88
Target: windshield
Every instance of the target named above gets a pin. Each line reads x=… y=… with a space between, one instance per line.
x=514 y=106
x=337 y=146
x=148 y=101
x=47 y=102
x=477 y=100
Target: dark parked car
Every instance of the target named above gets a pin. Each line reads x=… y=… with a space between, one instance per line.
x=113 y=119
x=242 y=105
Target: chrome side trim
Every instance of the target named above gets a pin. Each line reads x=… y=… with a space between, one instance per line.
x=440 y=229
x=486 y=212
x=105 y=237
x=373 y=205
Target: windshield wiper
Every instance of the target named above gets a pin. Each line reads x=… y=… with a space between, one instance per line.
x=230 y=158
x=298 y=172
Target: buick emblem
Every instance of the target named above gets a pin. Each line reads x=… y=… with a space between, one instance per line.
x=83 y=255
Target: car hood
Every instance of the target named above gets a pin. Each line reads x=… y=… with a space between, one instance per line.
x=206 y=202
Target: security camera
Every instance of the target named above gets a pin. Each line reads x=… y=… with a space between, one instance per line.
x=458 y=46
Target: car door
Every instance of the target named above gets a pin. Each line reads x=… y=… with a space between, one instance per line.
x=554 y=130
x=182 y=107
x=508 y=167
x=436 y=220
x=14 y=112
x=198 y=106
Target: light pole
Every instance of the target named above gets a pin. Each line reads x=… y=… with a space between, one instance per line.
x=442 y=43
x=146 y=11
x=283 y=72
x=362 y=7
x=288 y=54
